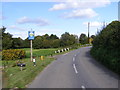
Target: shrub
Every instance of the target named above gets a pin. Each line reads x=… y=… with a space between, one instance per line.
x=13 y=54
x=106 y=46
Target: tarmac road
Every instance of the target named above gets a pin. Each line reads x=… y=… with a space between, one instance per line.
x=76 y=69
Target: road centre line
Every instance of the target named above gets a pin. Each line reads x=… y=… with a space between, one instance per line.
x=75 y=68
x=73 y=59
x=83 y=87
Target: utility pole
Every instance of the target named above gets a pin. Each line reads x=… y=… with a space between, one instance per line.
x=88 y=30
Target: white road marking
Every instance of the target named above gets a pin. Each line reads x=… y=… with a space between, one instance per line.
x=75 y=55
x=73 y=59
x=83 y=87
x=75 y=68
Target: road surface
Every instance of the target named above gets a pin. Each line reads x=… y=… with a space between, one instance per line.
x=76 y=69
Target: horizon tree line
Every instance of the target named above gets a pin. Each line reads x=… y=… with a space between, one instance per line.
x=43 y=41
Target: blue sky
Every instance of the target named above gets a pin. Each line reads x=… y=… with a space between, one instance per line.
x=56 y=17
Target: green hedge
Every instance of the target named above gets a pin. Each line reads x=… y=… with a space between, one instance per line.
x=106 y=46
x=13 y=54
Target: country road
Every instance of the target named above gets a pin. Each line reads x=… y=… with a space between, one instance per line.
x=76 y=69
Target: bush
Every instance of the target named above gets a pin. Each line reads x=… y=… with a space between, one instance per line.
x=13 y=54
x=106 y=46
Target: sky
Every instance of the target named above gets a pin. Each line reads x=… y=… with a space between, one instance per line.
x=58 y=17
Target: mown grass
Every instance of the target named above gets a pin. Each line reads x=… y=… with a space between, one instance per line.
x=40 y=52
x=18 y=78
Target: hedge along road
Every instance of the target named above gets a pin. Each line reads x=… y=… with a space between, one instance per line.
x=76 y=69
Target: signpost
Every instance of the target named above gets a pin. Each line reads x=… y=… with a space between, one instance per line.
x=31 y=36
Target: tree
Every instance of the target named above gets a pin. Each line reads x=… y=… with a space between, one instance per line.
x=47 y=43
x=67 y=39
x=38 y=42
x=26 y=43
x=17 y=43
x=83 y=39
x=6 y=39
x=106 y=46
x=46 y=36
x=55 y=43
x=53 y=37
x=92 y=36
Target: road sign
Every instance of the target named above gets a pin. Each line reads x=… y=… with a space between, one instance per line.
x=31 y=35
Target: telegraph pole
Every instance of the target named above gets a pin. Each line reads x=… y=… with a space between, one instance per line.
x=88 y=30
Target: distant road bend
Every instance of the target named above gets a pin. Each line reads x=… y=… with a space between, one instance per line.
x=76 y=69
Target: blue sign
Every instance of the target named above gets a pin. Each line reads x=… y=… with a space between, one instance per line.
x=31 y=35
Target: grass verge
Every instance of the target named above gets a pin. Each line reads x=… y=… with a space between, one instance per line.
x=18 y=78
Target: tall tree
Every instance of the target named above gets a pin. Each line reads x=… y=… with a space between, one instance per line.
x=6 y=39
x=53 y=37
x=67 y=39
x=83 y=39
x=17 y=43
x=38 y=42
x=26 y=43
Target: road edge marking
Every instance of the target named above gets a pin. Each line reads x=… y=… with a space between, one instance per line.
x=73 y=59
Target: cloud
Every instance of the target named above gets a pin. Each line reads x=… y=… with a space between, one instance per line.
x=14 y=27
x=94 y=24
x=22 y=35
x=75 y=4
x=36 y=21
x=80 y=13
x=79 y=8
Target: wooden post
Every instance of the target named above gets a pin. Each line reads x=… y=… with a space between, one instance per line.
x=31 y=49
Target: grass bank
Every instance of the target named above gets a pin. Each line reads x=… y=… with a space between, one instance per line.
x=17 y=78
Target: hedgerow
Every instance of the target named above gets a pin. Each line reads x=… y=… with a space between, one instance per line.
x=106 y=46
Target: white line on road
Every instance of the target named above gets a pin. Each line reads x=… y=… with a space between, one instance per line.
x=83 y=87
x=75 y=55
x=73 y=59
x=75 y=68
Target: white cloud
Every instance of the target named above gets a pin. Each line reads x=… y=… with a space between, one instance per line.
x=36 y=21
x=80 y=8
x=75 y=4
x=80 y=13
x=94 y=24
x=14 y=27
x=22 y=35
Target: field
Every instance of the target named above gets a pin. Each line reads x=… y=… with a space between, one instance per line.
x=39 y=52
